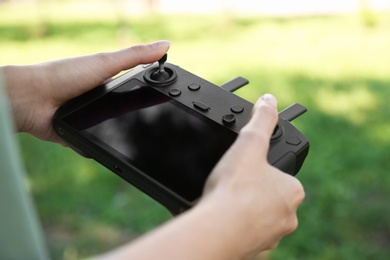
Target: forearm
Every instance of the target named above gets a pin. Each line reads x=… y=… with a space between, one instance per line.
x=202 y=233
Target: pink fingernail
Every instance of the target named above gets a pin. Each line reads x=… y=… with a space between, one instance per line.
x=270 y=99
x=163 y=43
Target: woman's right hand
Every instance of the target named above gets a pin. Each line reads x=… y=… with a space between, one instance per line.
x=257 y=200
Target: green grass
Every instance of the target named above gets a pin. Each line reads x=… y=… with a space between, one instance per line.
x=337 y=66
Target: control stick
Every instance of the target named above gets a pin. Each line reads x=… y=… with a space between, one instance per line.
x=162 y=75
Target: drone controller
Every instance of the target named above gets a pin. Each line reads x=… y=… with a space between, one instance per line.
x=163 y=129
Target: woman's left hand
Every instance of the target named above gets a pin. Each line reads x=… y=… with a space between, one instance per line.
x=37 y=91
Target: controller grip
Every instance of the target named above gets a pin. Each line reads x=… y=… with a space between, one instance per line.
x=287 y=163
x=291 y=163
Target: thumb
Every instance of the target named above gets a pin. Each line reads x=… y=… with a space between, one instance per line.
x=108 y=64
x=75 y=76
x=252 y=144
x=257 y=133
x=139 y=54
x=264 y=115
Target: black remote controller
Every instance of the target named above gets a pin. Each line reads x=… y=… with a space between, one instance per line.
x=216 y=106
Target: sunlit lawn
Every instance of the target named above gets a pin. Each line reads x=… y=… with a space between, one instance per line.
x=339 y=67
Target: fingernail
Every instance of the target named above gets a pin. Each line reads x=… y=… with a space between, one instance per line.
x=270 y=99
x=163 y=43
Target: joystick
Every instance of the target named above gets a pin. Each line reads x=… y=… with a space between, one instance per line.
x=161 y=75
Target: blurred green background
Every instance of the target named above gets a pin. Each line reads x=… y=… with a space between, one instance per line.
x=338 y=66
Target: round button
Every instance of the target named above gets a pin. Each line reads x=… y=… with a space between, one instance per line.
x=278 y=131
x=194 y=86
x=175 y=92
x=237 y=109
x=229 y=119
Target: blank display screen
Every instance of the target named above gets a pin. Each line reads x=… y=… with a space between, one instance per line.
x=162 y=138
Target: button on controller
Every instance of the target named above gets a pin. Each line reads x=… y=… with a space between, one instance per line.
x=229 y=120
x=237 y=109
x=293 y=140
x=201 y=106
x=194 y=87
x=175 y=92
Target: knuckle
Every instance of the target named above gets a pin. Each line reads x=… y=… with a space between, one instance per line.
x=135 y=52
x=292 y=225
x=299 y=192
x=272 y=246
x=268 y=111
x=255 y=135
x=135 y=48
x=103 y=57
x=296 y=192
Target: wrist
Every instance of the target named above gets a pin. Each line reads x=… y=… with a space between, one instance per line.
x=245 y=230
x=203 y=232
x=227 y=223
x=19 y=87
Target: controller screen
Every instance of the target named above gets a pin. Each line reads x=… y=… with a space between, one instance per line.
x=168 y=142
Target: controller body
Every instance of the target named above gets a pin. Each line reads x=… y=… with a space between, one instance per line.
x=195 y=96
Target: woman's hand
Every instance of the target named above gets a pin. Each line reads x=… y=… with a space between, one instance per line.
x=37 y=91
x=257 y=200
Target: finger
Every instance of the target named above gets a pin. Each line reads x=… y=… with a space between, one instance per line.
x=139 y=54
x=108 y=64
x=78 y=75
x=262 y=124
x=264 y=114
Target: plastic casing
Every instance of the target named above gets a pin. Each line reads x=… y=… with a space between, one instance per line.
x=288 y=147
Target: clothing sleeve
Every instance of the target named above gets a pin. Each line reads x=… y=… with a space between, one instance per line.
x=20 y=233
